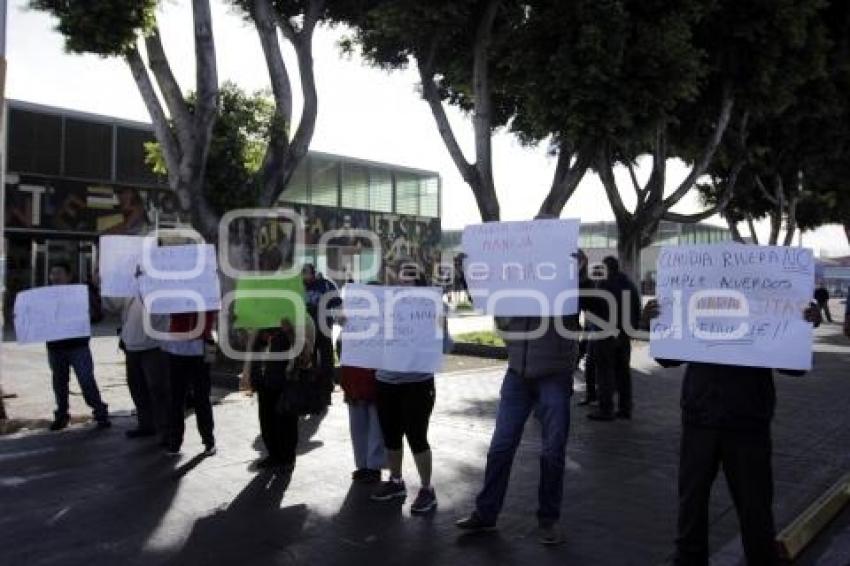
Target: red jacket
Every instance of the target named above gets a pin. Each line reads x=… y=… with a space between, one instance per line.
x=358 y=384
x=186 y=322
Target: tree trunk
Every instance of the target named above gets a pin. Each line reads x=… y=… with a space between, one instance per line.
x=628 y=252
x=847 y=231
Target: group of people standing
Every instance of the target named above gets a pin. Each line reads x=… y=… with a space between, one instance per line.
x=726 y=409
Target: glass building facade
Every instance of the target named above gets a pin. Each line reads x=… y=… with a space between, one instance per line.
x=72 y=177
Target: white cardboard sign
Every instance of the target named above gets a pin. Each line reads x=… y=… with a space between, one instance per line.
x=392 y=328
x=120 y=259
x=52 y=313
x=179 y=279
x=734 y=304
x=523 y=268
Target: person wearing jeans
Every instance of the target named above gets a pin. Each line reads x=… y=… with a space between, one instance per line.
x=62 y=355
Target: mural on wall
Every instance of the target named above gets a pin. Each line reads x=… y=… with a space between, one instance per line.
x=58 y=205
x=399 y=235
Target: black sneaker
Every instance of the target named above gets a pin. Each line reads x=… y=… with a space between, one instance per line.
x=600 y=416
x=103 y=424
x=209 y=450
x=59 y=423
x=140 y=433
x=475 y=524
x=426 y=501
x=389 y=490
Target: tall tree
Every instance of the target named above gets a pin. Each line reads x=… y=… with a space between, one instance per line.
x=461 y=51
x=183 y=125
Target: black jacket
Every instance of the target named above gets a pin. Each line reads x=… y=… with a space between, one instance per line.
x=268 y=374
x=727 y=396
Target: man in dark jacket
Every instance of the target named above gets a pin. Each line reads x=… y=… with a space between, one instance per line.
x=74 y=353
x=726 y=416
x=822 y=299
x=613 y=355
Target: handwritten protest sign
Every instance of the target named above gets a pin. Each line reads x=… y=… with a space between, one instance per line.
x=523 y=268
x=179 y=279
x=52 y=313
x=120 y=259
x=263 y=302
x=392 y=328
x=734 y=304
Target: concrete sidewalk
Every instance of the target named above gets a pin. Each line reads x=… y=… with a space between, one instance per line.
x=88 y=497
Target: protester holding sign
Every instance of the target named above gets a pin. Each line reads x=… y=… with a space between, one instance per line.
x=147 y=370
x=727 y=411
x=188 y=369
x=404 y=403
x=279 y=430
x=74 y=353
x=542 y=353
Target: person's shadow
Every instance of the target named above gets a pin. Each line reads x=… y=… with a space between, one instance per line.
x=253 y=529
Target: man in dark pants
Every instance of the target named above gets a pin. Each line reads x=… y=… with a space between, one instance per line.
x=322 y=298
x=62 y=355
x=726 y=416
x=822 y=299
x=613 y=355
x=278 y=429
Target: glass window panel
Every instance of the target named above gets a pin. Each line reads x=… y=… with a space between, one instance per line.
x=324 y=182
x=429 y=197
x=88 y=149
x=296 y=190
x=355 y=187
x=406 y=194
x=380 y=190
x=35 y=142
x=131 y=166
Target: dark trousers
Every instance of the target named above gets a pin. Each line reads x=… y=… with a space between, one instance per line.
x=190 y=373
x=824 y=308
x=745 y=457
x=518 y=397
x=325 y=355
x=61 y=361
x=147 y=380
x=279 y=430
x=404 y=411
x=613 y=371
x=590 y=373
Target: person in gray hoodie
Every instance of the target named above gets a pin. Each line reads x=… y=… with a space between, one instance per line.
x=542 y=353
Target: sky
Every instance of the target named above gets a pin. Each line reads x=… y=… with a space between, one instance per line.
x=363 y=112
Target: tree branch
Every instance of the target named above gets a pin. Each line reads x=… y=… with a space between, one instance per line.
x=733 y=228
x=262 y=13
x=162 y=131
x=482 y=119
x=297 y=149
x=752 y=226
x=206 y=72
x=763 y=190
x=606 y=174
x=718 y=207
x=639 y=192
x=168 y=86
x=432 y=97
x=566 y=178
x=704 y=161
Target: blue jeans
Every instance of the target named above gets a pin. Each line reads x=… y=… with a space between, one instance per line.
x=61 y=361
x=519 y=396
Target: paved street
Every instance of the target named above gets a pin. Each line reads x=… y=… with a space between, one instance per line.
x=89 y=497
